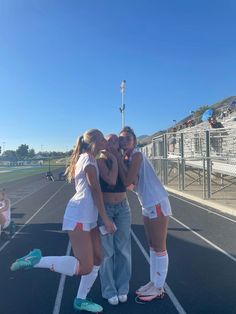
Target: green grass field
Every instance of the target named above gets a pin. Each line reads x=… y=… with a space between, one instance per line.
x=8 y=174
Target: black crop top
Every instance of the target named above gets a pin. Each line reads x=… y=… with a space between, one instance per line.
x=119 y=187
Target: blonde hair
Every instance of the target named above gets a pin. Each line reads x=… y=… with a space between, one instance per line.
x=85 y=143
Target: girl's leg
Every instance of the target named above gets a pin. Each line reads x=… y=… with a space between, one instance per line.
x=150 y=284
x=81 y=263
x=108 y=286
x=122 y=250
x=156 y=230
x=93 y=251
x=88 y=280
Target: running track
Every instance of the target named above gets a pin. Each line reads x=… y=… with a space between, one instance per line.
x=201 y=246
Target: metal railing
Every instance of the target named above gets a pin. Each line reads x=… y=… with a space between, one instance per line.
x=205 y=159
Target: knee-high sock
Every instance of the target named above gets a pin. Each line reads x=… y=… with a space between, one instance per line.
x=87 y=282
x=161 y=268
x=152 y=264
x=67 y=265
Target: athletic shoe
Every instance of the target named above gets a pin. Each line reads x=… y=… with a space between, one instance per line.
x=85 y=305
x=151 y=294
x=144 y=288
x=122 y=298
x=28 y=261
x=113 y=300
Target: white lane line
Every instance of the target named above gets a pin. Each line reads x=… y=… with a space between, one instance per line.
x=207 y=241
x=22 y=227
x=169 y=292
x=203 y=208
x=28 y=195
x=57 y=305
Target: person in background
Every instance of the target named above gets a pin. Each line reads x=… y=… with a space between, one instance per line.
x=80 y=220
x=172 y=141
x=115 y=271
x=5 y=211
x=155 y=210
x=214 y=124
x=216 y=139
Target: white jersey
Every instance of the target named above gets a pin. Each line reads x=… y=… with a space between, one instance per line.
x=81 y=207
x=149 y=189
x=6 y=213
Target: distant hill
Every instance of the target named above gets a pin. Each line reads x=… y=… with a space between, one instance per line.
x=141 y=137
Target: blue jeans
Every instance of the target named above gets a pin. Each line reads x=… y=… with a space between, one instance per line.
x=115 y=271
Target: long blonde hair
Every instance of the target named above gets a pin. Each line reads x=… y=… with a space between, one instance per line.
x=85 y=143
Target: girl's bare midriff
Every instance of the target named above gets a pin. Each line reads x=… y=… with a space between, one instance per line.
x=113 y=198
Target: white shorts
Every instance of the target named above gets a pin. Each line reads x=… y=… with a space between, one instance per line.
x=161 y=209
x=77 y=225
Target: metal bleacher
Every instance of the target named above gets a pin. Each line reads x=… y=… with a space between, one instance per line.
x=202 y=155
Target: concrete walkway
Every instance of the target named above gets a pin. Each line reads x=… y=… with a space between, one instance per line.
x=225 y=201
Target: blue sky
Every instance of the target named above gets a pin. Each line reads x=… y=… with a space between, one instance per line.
x=62 y=62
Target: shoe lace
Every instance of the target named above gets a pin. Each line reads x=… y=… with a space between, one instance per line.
x=88 y=302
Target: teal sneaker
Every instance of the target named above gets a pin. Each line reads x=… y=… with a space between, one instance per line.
x=85 y=305
x=28 y=261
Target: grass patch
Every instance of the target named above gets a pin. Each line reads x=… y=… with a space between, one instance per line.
x=15 y=173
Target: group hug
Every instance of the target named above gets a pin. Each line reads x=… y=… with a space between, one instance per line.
x=98 y=220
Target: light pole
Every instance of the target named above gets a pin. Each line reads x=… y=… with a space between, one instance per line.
x=3 y=147
x=122 y=108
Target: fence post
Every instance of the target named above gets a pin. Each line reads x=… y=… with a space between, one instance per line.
x=204 y=177
x=182 y=161
x=165 y=154
x=208 y=163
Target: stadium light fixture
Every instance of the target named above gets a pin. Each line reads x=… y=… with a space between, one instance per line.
x=122 y=108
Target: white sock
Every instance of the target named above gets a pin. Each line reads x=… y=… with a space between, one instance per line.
x=87 y=282
x=67 y=265
x=152 y=264
x=161 y=268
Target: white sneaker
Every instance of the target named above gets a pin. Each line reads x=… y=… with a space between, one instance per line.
x=113 y=300
x=122 y=298
x=144 y=288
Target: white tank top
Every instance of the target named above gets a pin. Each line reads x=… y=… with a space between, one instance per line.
x=149 y=189
x=7 y=212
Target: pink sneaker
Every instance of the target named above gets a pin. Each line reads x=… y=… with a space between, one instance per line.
x=151 y=294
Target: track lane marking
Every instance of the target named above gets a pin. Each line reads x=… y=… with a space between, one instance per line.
x=205 y=240
x=203 y=208
x=22 y=227
x=60 y=290
x=169 y=292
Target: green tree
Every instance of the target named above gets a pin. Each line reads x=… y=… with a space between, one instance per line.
x=9 y=155
x=31 y=153
x=22 y=151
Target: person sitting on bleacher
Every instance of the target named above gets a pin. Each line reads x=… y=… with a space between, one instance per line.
x=215 y=124
x=5 y=211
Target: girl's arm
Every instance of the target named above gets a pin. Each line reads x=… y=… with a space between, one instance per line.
x=129 y=175
x=108 y=174
x=94 y=185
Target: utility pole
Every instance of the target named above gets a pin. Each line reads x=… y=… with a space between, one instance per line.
x=122 y=108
